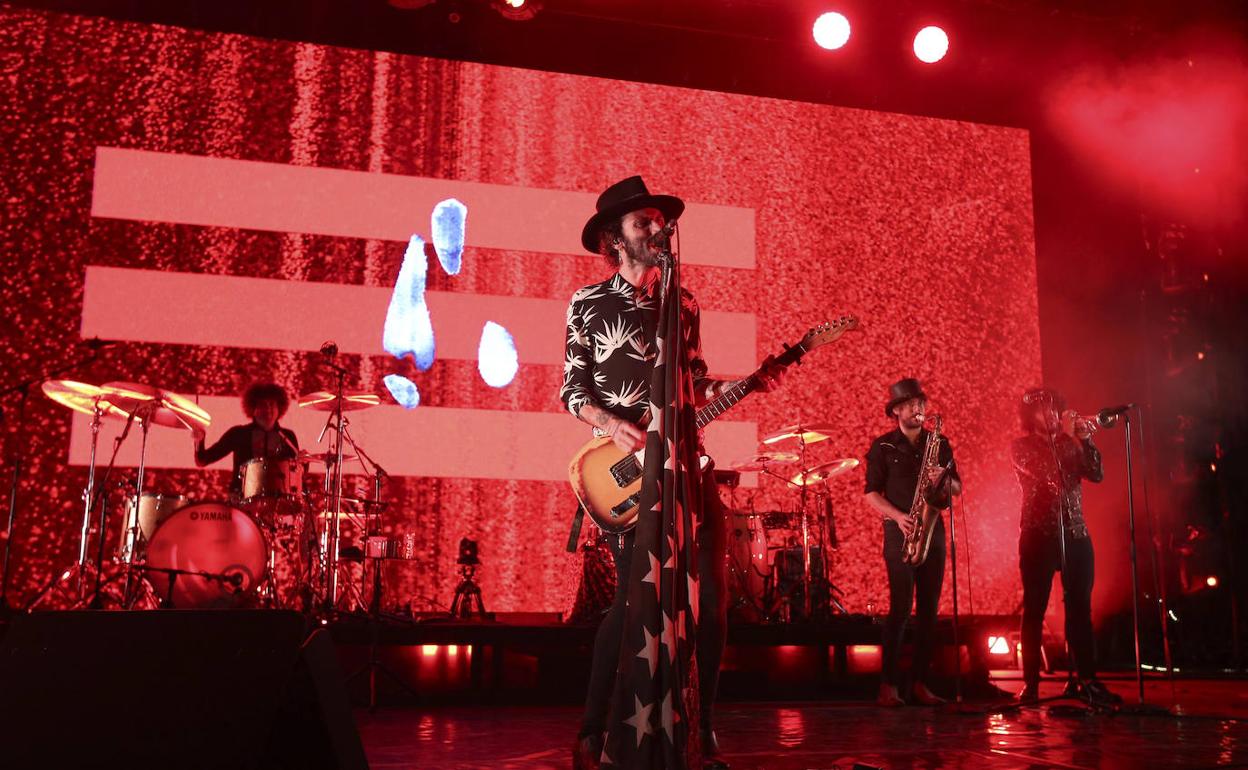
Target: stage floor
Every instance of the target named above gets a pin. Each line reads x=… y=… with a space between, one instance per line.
x=1212 y=732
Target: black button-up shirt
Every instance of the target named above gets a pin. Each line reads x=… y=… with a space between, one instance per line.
x=609 y=352
x=893 y=466
x=1046 y=490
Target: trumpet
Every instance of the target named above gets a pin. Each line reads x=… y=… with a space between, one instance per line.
x=1090 y=422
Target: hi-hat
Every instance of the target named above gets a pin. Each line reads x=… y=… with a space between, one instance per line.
x=764 y=460
x=320 y=457
x=327 y=401
x=807 y=433
x=823 y=472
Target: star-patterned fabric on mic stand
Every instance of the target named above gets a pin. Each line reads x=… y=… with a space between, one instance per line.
x=654 y=707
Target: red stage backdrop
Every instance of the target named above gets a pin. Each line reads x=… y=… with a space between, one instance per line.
x=224 y=204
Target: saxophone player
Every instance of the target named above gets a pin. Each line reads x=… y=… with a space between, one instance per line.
x=895 y=464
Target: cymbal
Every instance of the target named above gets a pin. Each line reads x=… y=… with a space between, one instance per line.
x=320 y=457
x=119 y=400
x=82 y=397
x=824 y=471
x=764 y=460
x=327 y=401
x=157 y=405
x=809 y=433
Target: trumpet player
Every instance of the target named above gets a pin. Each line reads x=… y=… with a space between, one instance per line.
x=895 y=467
x=1052 y=458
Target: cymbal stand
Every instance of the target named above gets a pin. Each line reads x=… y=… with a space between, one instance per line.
x=131 y=545
x=805 y=528
x=88 y=497
x=333 y=481
x=828 y=543
x=23 y=391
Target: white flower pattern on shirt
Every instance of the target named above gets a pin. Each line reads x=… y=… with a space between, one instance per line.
x=610 y=347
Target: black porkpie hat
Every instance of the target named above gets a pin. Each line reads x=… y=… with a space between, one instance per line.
x=901 y=391
x=619 y=199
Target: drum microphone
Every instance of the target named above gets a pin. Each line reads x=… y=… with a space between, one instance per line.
x=329 y=348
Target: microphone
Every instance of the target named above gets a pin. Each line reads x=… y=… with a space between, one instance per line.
x=95 y=343
x=662 y=237
x=1108 y=417
x=329 y=348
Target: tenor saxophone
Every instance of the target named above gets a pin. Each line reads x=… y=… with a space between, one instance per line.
x=922 y=514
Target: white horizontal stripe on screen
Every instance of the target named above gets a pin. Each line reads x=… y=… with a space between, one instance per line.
x=271 y=314
x=224 y=192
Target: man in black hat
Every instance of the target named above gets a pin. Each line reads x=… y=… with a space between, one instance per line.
x=1052 y=458
x=609 y=356
x=893 y=466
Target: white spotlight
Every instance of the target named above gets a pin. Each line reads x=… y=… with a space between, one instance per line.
x=831 y=30
x=931 y=44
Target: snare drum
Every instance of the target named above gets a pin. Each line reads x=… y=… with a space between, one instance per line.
x=269 y=478
x=212 y=538
x=152 y=509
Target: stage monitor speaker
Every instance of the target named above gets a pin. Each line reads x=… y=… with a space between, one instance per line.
x=173 y=689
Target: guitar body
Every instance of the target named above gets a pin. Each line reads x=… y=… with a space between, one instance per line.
x=599 y=474
x=607 y=480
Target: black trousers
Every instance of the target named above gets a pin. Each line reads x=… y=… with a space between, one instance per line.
x=1038 y=559
x=908 y=585
x=712 y=622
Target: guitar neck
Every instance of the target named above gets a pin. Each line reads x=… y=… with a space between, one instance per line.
x=729 y=398
x=726 y=400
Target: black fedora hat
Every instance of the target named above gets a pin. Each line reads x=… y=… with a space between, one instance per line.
x=622 y=197
x=902 y=391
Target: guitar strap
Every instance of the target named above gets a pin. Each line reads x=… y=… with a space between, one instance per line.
x=574 y=536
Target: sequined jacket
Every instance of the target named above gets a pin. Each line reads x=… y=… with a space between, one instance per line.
x=1046 y=490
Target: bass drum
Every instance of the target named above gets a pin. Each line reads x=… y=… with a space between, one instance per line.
x=220 y=541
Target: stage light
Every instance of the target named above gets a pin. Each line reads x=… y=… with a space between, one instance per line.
x=998 y=645
x=931 y=44
x=516 y=10
x=1212 y=581
x=831 y=30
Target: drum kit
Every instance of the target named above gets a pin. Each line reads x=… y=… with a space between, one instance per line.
x=277 y=542
x=793 y=583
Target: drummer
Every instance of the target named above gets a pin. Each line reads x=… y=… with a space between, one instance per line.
x=265 y=403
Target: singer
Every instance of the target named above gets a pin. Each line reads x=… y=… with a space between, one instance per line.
x=610 y=355
x=265 y=403
x=1052 y=458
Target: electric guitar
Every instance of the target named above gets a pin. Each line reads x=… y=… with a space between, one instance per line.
x=607 y=480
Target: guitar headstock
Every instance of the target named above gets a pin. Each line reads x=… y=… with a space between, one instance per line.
x=828 y=331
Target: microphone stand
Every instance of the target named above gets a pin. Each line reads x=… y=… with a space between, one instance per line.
x=1141 y=706
x=23 y=391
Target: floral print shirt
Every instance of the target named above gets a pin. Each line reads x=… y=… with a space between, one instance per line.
x=610 y=347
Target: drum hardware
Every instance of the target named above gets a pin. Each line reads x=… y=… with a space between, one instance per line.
x=88 y=403
x=230 y=581
x=130 y=402
x=336 y=403
x=803 y=433
x=812 y=479
x=764 y=460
